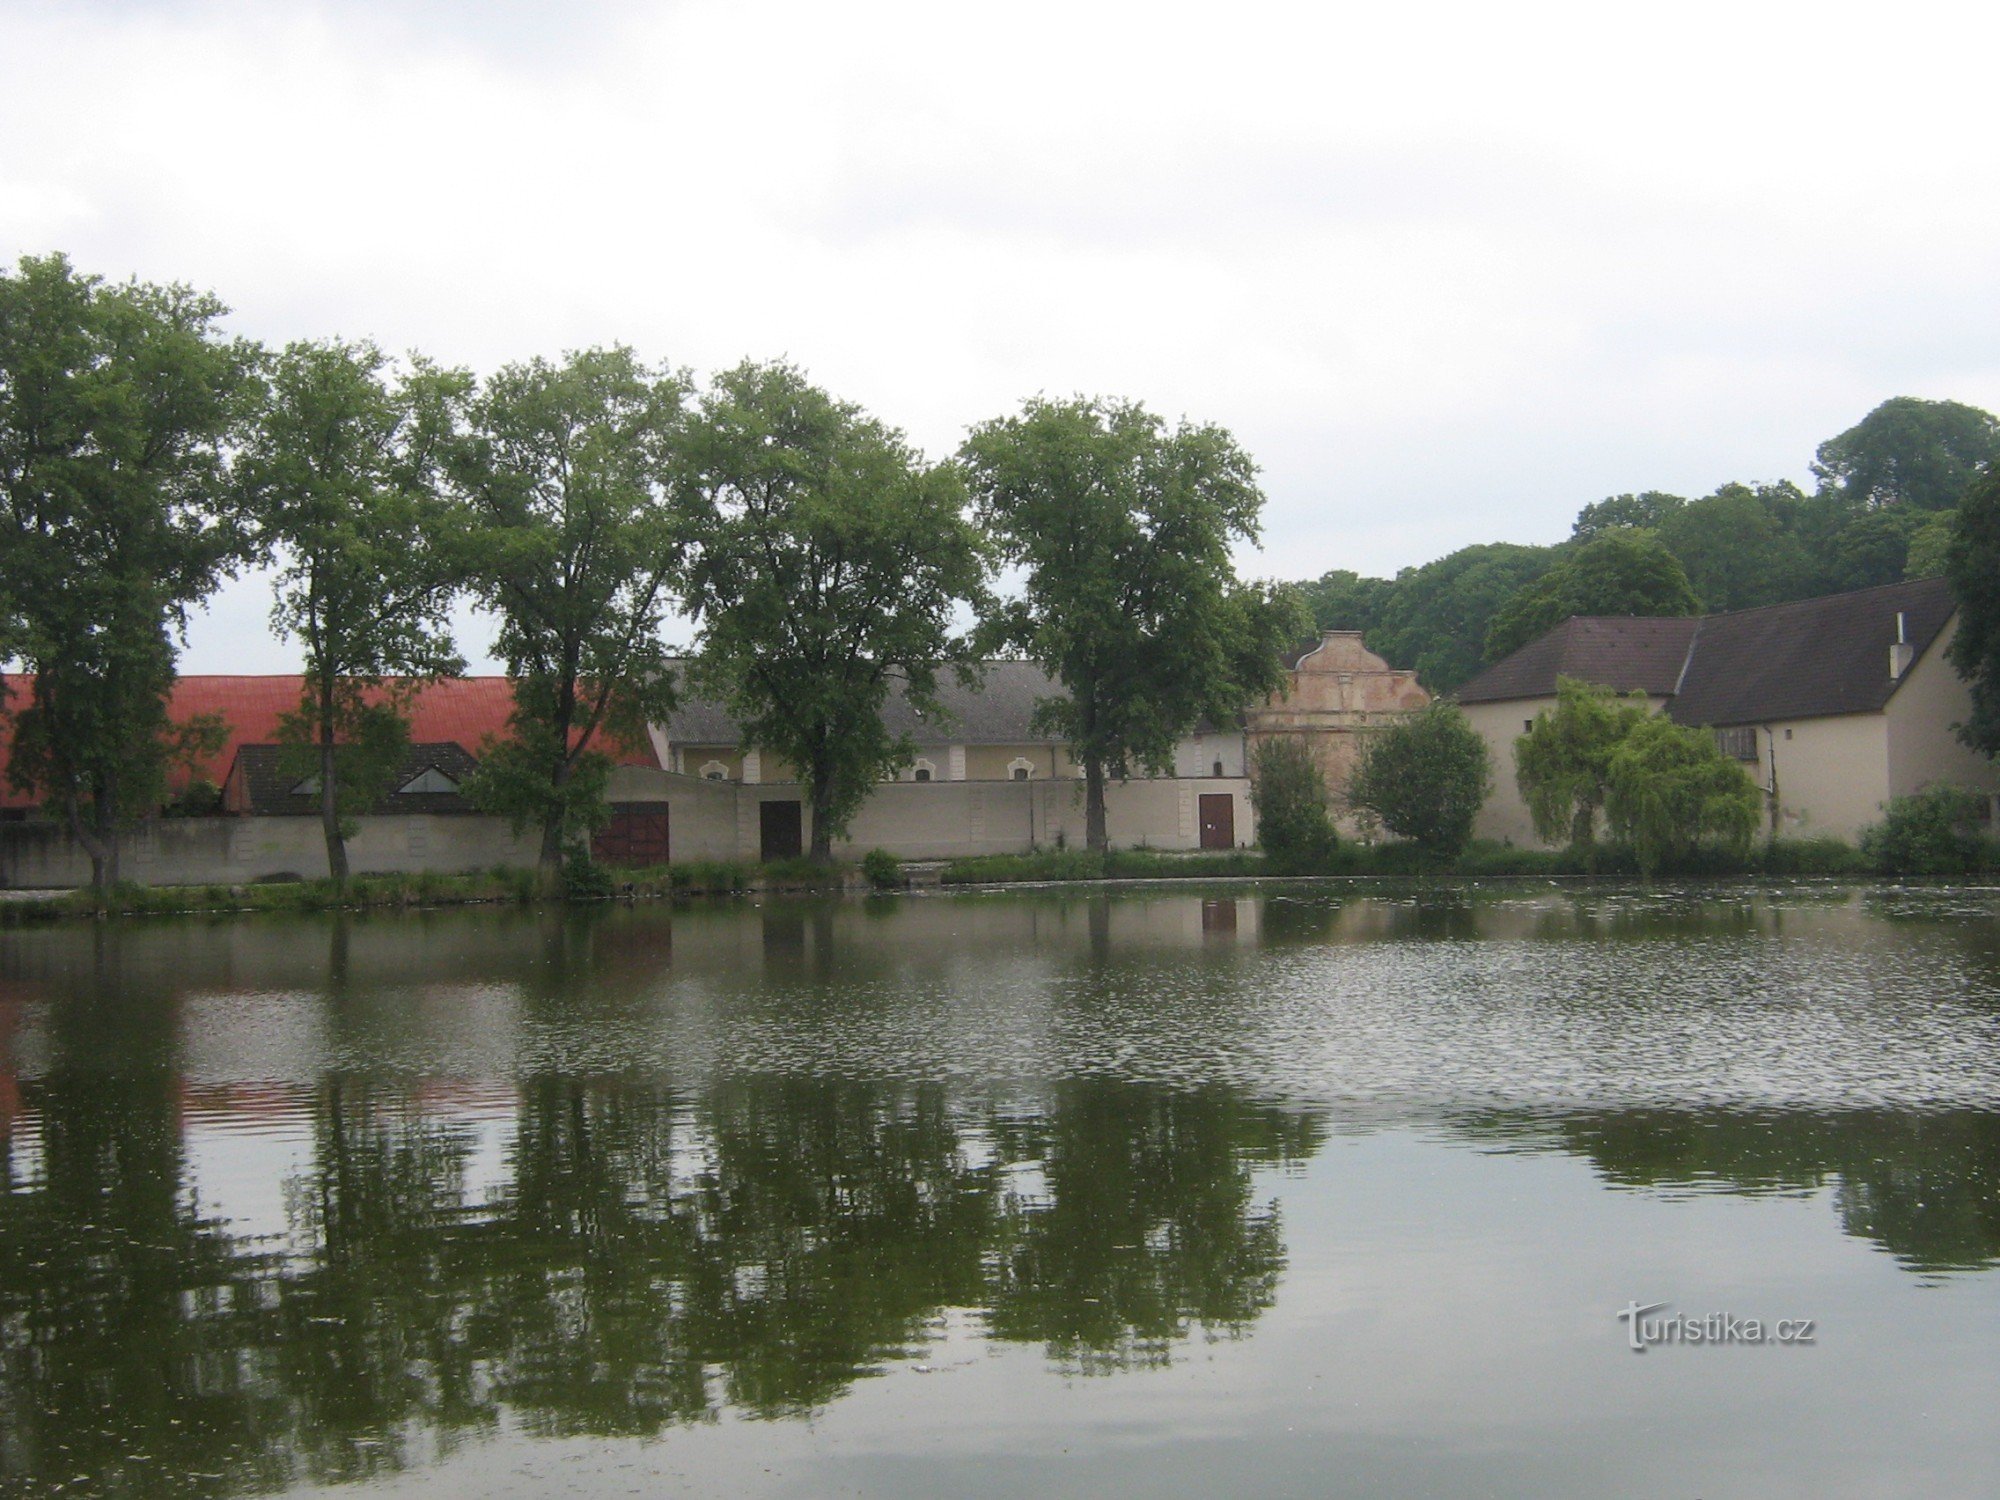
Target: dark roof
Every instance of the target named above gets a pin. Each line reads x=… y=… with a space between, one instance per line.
x=1626 y=653
x=1807 y=659
x=998 y=712
x=269 y=790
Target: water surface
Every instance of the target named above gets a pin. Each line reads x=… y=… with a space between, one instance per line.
x=1261 y=1192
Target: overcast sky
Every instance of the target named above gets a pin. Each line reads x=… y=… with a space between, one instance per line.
x=1449 y=271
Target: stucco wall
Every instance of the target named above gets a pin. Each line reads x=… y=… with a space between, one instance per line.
x=1504 y=815
x=1923 y=750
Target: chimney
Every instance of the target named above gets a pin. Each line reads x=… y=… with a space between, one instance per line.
x=1901 y=653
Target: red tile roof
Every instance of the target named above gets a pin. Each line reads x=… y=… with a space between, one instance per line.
x=464 y=710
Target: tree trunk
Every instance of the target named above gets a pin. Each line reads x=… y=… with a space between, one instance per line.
x=551 y=858
x=99 y=842
x=1095 y=836
x=329 y=801
x=821 y=848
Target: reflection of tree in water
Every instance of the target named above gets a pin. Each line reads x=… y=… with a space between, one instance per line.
x=1924 y=1186
x=643 y=1261
x=1142 y=1222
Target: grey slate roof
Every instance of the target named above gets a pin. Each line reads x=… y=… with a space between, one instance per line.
x=270 y=791
x=1807 y=659
x=997 y=713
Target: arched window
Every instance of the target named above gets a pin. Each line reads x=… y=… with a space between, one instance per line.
x=1020 y=768
x=715 y=770
x=924 y=771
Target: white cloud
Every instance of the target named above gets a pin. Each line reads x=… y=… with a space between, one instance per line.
x=1451 y=271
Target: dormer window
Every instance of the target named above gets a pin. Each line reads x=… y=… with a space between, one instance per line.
x=307 y=788
x=430 y=780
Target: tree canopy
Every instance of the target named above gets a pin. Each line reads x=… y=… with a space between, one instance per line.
x=1620 y=573
x=1972 y=564
x=1123 y=527
x=1563 y=763
x=1671 y=790
x=345 y=468
x=1909 y=452
x=568 y=471
x=1424 y=779
x=118 y=405
x=827 y=561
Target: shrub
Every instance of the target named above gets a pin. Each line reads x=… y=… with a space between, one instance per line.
x=883 y=869
x=584 y=879
x=1424 y=780
x=1934 y=832
x=1290 y=795
x=1672 y=791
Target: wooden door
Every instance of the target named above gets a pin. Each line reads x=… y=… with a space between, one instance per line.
x=781 y=827
x=1218 y=820
x=636 y=835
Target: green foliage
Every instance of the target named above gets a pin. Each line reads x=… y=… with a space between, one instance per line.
x=1814 y=856
x=1741 y=546
x=1620 y=573
x=568 y=472
x=1972 y=563
x=1563 y=764
x=1290 y=793
x=827 y=562
x=883 y=869
x=345 y=469
x=1424 y=779
x=1123 y=527
x=1929 y=553
x=1909 y=452
x=1648 y=511
x=118 y=407
x=1344 y=600
x=584 y=879
x=1437 y=617
x=1934 y=832
x=1672 y=791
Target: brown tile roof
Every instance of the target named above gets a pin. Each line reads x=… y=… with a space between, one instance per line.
x=1626 y=653
x=1807 y=659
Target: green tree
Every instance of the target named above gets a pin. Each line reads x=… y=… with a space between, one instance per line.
x=1621 y=573
x=1671 y=790
x=1123 y=527
x=569 y=471
x=827 y=561
x=1972 y=564
x=345 y=469
x=1344 y=600
x=1909 y=452
x=1857 y=548
x=1425 y=779
x=1932 y=832
x=1292 y=821
x=117 y=408
x=1740 y=546
x=1647 y=511
x=1563 y=763
x=1929 y=553
x=1436 y=616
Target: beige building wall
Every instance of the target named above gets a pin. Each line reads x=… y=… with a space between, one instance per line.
x=1504 y=817
x=1832 y=773
x=1924 y=751
x=1337 y=694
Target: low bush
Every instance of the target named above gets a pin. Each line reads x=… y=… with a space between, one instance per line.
x=1934 y=832
x=883 y=869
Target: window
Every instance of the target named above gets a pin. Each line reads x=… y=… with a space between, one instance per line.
x=715 y=770
x=1527 y=726
x=1218 y=768
x=1788 y=734
x=430 y=779
x=1020 y=773
x=1739 y=741
x=923 y=773
x=1020 y=768
x=924 y=770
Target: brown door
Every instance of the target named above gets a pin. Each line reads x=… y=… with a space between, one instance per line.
x=1218 y=820
x=781 y=826
x=636 y=835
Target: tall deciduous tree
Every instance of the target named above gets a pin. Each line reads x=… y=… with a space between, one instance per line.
x=1972 y=564
x=1907 y=451
x=1563 y=763
x=568 y=471
x=827 y=561
x=1671 y=790
x=1123 y=527
x=117 y=404
x=1435 y=617
x=345 y=469
x=1621 y=573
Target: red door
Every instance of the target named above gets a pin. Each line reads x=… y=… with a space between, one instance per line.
x=636 y=835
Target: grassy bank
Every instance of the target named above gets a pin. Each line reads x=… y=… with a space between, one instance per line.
x=499 y=886
x=1482 y=860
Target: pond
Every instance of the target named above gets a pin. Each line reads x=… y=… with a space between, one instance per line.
x=1278 y=1190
